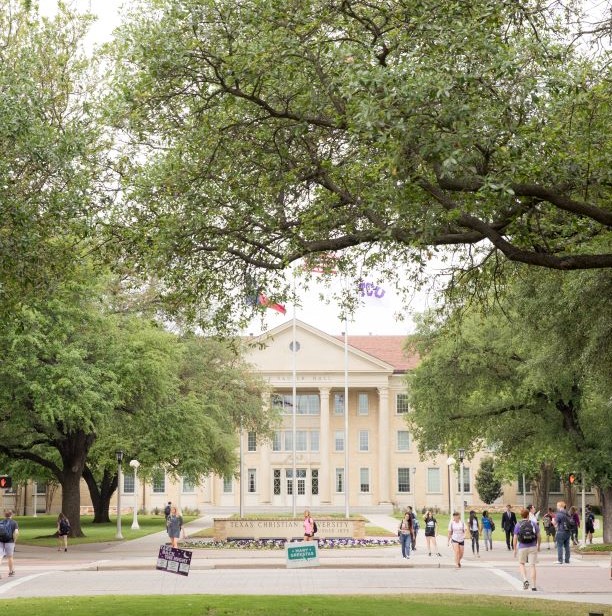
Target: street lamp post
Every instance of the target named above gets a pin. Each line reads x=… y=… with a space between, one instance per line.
x=449 y=462
x=34 y=499
x=119 y=456
x=461 y=456
x=135 y=464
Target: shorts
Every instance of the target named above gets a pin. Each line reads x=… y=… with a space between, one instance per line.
x=528 y=555
x=7 y=549
x=458 y=542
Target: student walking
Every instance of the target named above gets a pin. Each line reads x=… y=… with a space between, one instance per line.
x=527 y=542
x=9 y=529
x=406 y=532
x=589 y=522
x=63 y=530
x=456 y=537
x=308 y=526
x=431 y=525
x=508 y=524
x=574 y=524
x=549 y=527
x=562 y=537
x=174 y=525
x=475 y=528
x=488 y=526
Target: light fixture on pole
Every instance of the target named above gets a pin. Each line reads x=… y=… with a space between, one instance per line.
x=461 y=453
x=119 y=456
x=135 y=464
x=449 y=462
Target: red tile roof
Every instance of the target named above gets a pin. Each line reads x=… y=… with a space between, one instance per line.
x=389 y=349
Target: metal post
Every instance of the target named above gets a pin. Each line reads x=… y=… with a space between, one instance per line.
x=294 y=407
x=346 y=423
x=34 y=495
x=449 y=462
x=461 y=456
x=524 y=493
x=241 y=474
x=119 y=454
x=583 y=511
x=135 y=464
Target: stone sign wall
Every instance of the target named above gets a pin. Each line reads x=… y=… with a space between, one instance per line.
x=286 y=528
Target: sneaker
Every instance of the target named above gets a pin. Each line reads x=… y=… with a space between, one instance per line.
x=559 y=562
x=11 y=573
x=526 y=585
x=430 y=553
x=65 y=549
x=534 y=589
x=438 y=554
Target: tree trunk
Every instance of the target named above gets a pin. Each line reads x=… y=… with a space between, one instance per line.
x=73 y=450
x=100 y=495
x=605 y=496
x=541 y=487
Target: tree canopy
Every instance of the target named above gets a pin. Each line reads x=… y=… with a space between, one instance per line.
x=529 y=376
x=262 y=132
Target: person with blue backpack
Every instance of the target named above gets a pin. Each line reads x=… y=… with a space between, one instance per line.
x=9 y=529
x=563 y=525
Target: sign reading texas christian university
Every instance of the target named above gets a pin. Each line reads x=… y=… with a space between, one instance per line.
x=173 y=560
x=303 y=554
x=225 y=528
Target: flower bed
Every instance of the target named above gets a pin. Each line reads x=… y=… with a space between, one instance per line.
x=279 y=544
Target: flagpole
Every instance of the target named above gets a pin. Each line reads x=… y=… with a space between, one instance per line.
x=346 y=422
x=294 y=405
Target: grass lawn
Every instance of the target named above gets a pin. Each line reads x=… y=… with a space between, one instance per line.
x=212 y=605
x=40 y=530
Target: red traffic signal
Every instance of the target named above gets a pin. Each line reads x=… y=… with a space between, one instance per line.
x=6 y=481
x=572 y=478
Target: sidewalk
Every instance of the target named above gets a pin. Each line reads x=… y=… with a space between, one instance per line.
x=494 y=572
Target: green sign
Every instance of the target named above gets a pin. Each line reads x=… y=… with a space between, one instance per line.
x=305 y=554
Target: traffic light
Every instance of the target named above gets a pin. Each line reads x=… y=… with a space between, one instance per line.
x=6 y=481
x=572 y=478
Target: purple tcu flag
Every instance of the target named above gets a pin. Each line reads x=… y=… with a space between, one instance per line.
x=173 y=560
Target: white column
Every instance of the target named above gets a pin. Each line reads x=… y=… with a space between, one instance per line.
x=265 y=481
x=324 y=470
x=384 y=448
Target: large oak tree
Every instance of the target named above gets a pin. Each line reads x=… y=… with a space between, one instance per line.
x=266 y=131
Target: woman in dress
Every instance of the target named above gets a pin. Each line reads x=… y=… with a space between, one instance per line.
x=474 y=526
x=487 y=530
x=430 y=532
x=406 y=532
x=174 y=525
x=456 y=537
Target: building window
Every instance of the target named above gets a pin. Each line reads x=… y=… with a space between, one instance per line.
x=433 y=480
x=466 y=480
x=307 y=404
x=128 y=481
x=252 y=441
x=301 y=440
x=276 y=441
x=277 y=482
x=339 y=480
x=159 y=482
x=314 y=480
x=555 y=485
x=403 y=480
x=288 y=440
x=188 y=486
x=364 y=480
x=339 y=440
x=289 y=480
x=401 y=403
x=338 y=404
x=363 y=404
x=41 y=487
x=252 y=481
x=364 y=440
x=301 y=481
x=314 y=440
x=228 y=484
x=403 y=440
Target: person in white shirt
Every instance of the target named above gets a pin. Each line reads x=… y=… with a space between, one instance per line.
x=456 y=537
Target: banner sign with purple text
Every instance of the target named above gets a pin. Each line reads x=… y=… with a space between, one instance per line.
x=173 y=560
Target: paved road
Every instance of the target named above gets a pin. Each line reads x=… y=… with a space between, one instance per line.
x=129 y=568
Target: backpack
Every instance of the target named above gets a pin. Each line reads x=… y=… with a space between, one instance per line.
x=6 y=531
x=167 y=510
x=64 y=527
x=526 y=533
x=546 y=521
x=570 y=523
x=315 y=528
